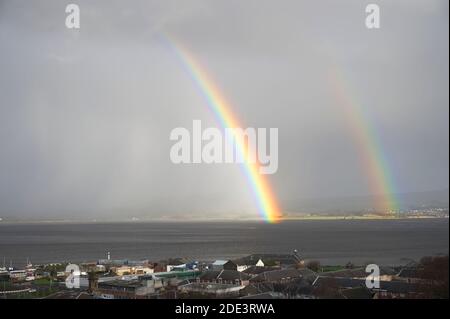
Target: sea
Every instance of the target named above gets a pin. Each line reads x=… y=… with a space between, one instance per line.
x=331 y=242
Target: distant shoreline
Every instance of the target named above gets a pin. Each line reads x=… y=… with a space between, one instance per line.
x=287 y=219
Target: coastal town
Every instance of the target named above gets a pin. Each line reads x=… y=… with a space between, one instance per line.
x=256 y=276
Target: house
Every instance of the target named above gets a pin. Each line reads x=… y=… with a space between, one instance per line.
x=386 y=273
x=244 y=263
x=128 y=270
x=135 y=263
x=212 y=289
x=4 y=275
x=224 y=276
x=262 y=260
x=255 y=289
x=256 y=270
x=18 y=275
x=61 y=274
x=330 y=286
x=113 y=262
x=159 y=267
x=410 y=275
x=284 y=275
x=192 y=265
x=100 y=268
x=173 y=263
x=264 y=295
x=284 y=260
x=123 y=289
x=219 y=264
x=175 y=267
x=122 y=270
x=396 y=290
x=286 y=283
x=93 y=266
x=338 y=282
x=298 y=288
x=142 y=270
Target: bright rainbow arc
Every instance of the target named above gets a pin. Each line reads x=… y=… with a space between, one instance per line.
x=376 y=167
x=266 y=200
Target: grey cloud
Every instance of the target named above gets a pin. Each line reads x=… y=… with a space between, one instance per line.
x=85 y=115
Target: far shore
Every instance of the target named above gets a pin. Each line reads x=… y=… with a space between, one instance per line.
x=212 y=220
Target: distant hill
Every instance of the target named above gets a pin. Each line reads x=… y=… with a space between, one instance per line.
x=344 y=206
x=359 y=204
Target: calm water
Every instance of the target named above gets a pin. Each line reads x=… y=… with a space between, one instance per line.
x=331 y=242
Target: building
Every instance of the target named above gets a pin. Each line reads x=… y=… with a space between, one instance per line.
x=141 y=270
x=284 y=275
x=18 y=275
x=386 y=273
x=128 y=270
x=179 y=267
x=218 y=264
x=175 y=264
x=127 y=289
x=137 y=263
x=287 y=283
x=4 y=275
x=264 y=295
x=265 y=260
x=193 y=265
x=118 y=290
x=225 y=277
x=410 y=275
x=100 y=268
x=397 y=290
x=211 y=289
x=333 y=287
x=61 y=274
x=244 y=263
x=171 y=275
x=112 y=262
x=254 y=270
x=122 y=270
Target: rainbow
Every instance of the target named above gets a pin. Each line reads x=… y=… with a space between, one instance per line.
x=264 y=195
x=373 y=157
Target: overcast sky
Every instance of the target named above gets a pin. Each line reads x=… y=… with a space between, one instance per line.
x=85 y=115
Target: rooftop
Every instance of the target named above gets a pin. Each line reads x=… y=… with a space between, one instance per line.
x=284 y=274
x=265 y=295
x=226 y=275
x=390 y=286
x=357 y=293
x=358 y=272
x=282 y=259
x=121 y=284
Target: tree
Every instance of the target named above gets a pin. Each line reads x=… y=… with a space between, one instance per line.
x=314 y=265
x=349 y=265
x=435 y=271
